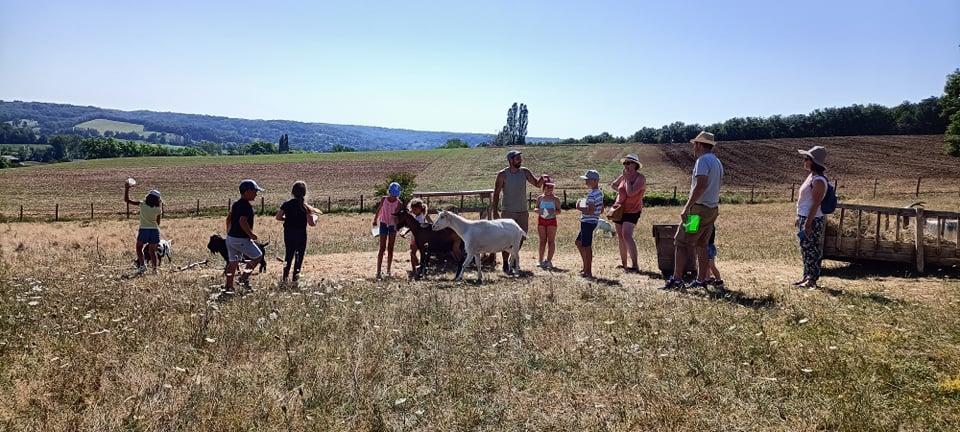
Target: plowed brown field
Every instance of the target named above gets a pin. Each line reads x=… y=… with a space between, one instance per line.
x=893 y=162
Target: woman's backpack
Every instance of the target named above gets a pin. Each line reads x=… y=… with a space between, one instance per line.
x=829 y=203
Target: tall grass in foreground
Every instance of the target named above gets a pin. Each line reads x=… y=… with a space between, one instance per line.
x=85 y=348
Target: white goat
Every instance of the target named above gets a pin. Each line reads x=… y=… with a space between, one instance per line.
x=607 y=227
x=483 y=236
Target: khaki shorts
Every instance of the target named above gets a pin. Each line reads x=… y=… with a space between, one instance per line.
x=708 y=216
x=521 y=218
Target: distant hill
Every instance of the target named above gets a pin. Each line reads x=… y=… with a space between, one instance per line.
x=50 y=119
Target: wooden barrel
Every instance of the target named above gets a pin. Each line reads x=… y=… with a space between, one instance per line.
x=663 y=238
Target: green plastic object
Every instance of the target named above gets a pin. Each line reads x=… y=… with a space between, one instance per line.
x=693 y=223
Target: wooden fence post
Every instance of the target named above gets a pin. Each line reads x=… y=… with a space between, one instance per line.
x=261 y=205
x=875 y=187
x=751 y=194
x=918 y=186
x=56 y=211
x=21 y=212
x=564 y=197
x=793 y=188
x=198 y=206
x=361 y=203
x=91 y=211
x=674 y=193
x=328 y=203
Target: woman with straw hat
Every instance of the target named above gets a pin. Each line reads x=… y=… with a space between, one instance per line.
x=630 y=187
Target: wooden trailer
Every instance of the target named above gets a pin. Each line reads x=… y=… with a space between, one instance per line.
x=893 y=234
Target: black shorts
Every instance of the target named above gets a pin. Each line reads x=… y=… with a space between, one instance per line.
x=630 y=218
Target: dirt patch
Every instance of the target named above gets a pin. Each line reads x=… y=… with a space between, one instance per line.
x=853 y=160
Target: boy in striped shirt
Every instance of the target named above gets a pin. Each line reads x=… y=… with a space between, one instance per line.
x=590 y=210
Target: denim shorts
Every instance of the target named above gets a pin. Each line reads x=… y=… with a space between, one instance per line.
x=585 y=237
x=387 y=229
x=148 y=236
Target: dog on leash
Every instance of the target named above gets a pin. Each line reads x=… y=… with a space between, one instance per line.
x=607 y=227
x=164 y=249
x=218 y=245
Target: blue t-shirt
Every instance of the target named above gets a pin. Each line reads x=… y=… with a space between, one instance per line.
x=595 y=200
x=240 y=208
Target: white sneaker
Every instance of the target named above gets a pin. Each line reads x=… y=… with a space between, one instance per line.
x=547 y=264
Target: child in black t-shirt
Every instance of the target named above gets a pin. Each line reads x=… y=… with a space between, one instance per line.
x=296 y=215
x=240 y=236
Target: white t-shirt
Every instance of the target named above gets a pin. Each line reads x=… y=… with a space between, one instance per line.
x=805 y=197
x=708 y=165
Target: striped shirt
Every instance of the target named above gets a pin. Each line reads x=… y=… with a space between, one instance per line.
x=595 y=200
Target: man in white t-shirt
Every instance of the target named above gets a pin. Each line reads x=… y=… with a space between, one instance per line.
x=704 y=203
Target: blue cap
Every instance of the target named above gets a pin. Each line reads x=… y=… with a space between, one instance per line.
x=512 y=153
x=394 y=189
x=249 y=185
x=591 y=175
x=155 y=193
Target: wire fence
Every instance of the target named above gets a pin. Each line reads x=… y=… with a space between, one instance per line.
x=71 y=210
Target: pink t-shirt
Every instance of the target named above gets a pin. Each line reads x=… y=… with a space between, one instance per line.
x=387 y=209
x=631 y=204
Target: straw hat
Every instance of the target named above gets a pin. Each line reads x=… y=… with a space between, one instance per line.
x=705 y=138
x=632 y=158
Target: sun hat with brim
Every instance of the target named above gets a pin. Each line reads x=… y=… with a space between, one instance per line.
x=154 y=192
x=632 y=158
x=818 y=154
x=705 y=137
x=249 y=185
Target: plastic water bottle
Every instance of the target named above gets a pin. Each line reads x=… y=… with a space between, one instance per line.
x=801 y=234
x=375 y=231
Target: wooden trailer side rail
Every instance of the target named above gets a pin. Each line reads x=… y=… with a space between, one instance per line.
x=838 y=244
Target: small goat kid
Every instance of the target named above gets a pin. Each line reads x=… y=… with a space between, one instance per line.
x=430 y=242
x=483 y=236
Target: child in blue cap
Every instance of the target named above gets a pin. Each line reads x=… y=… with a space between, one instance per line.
x=388 y=225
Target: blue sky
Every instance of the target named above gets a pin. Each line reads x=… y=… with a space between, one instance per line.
x=581 y=67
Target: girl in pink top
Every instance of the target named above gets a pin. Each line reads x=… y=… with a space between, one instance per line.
x=388 y=225
x=630 y=187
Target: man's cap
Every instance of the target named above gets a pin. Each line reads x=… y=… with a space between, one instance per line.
x=591 y=175
x=249 y=185
x=394 y=189
x=512 y=153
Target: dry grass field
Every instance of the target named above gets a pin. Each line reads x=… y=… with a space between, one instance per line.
x=86 y=346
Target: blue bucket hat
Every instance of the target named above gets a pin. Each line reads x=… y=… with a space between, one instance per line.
x=394 y=189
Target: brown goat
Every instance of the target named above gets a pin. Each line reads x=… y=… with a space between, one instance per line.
x=440 y=244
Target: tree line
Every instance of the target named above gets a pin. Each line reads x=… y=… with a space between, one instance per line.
x=923 y=118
